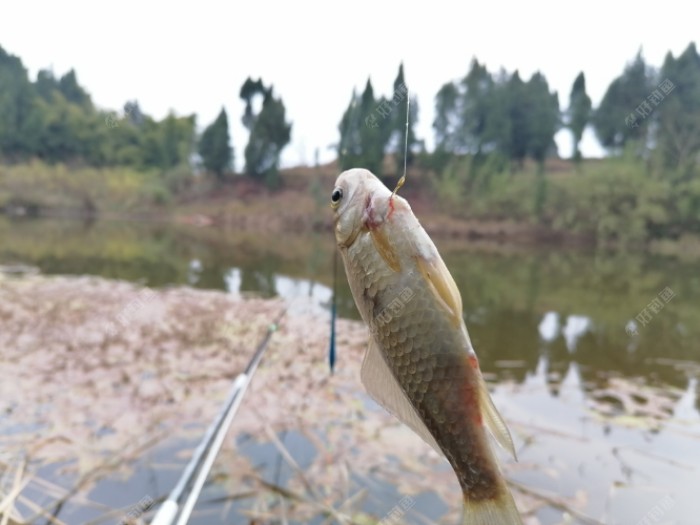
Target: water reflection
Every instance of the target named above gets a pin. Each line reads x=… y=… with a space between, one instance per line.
x=552 y=329
x=568 y=306
x=627 y=463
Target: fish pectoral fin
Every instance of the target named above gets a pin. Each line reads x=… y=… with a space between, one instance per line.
x=385 y=390
x=383 y=246
x=493 y=419
x=442 y=285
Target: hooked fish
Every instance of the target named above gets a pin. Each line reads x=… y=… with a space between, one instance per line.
x=420 y=364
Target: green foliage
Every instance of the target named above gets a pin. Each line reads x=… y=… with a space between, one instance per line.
x=542 y=120
x=56 y=187
x=483 y=114
x=365 y=130
x=69 y=88
x=445 y=118
x=579 y=112
x=615 y=120
x=18 y=119
x=449 y=186
x=402 y=146
x=269 y=132
x=678 y=112
x=56 y=121
x=616 y=201
x=215 y=148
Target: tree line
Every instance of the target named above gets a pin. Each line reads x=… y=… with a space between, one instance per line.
x=53 y=119
x=502 y=117
x=496 y=118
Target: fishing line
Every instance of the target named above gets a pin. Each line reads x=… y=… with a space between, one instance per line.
x=405 y=144
x=399 y=184
x=331 y=348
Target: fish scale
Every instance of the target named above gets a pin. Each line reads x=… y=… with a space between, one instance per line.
x=412 y=307
x=441 y=355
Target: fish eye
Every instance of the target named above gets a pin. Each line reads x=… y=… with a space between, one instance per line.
x=336 y=196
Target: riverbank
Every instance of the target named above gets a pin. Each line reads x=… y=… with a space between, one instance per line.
x=96 y=375
x=609 y=203
x=106 y=386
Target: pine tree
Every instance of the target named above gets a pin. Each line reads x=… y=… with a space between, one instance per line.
x=475 y=109
x=69 y=87
x=365 y=130
x=579 y=113
x=20 y=124
x=543 y=119
x=622 y=114
x=402 y=146
x=269 y=134
x=214 y=147
x=374 y=135
x=350 y=128
x=516 y=146
x=676 y=100
x=445 y=118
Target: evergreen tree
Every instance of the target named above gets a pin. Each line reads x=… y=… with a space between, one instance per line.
x=498 y=118
x=516 y=145
x=677 y=96
x=475 y=109
x=501 y=115
x=543 y=119
x=132 y=112
x=350 y=128
x=579 y=113
x=622 y=114
x=446 y=117
x=403 y=148
x=46 y=84
x=214 y=147
x=269 y=134
x=19 y=122
x=170 y=143
x=365 y=130
x=249 y=90
x=69 y=87
x=375 y=134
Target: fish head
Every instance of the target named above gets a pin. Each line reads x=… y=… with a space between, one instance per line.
x=360 y=201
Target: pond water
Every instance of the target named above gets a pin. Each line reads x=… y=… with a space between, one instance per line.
x=593 y=356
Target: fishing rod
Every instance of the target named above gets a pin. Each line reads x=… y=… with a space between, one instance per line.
x=205 y=454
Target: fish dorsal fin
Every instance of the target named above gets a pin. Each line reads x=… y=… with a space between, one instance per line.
x=385 y=390
x=492 y=418
x=442 y=285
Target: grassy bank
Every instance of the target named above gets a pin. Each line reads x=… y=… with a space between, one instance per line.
x=610 y=202
x=37 y=188
x=619 y=201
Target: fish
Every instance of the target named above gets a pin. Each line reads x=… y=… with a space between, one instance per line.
x=420 y=364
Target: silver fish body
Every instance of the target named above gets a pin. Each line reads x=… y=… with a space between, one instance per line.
x=420 y=364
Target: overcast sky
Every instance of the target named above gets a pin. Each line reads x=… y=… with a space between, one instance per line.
x=193 y=57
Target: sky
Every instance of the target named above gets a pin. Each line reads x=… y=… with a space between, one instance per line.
x=193 y=57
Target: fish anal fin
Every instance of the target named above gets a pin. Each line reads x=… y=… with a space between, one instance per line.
x=383 y=246
x=492 y=418
x=443 y=286
x=385 y=390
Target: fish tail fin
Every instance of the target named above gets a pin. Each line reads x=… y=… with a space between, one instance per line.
x=497 y=511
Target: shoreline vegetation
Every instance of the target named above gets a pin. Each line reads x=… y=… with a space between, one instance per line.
x=603 y=203
x=495 y=173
